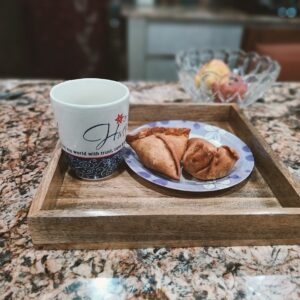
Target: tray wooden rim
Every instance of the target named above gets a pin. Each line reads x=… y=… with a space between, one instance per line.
x=42 y=212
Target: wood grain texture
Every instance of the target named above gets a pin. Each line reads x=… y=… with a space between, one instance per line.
x=47 y=193
x=162 y=243
x=137 y=192
x=106 y=226
x=194 y=112
x=274 y=173
x=127 y=211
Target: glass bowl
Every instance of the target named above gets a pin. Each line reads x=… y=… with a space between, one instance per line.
x=251 y=75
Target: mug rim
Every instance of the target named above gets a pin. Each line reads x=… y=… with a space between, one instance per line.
x=82 y=106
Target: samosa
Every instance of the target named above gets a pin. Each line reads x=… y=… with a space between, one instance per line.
x=204 y=161
x=161 y=148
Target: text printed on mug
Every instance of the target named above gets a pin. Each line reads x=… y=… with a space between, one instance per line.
x=101 y=134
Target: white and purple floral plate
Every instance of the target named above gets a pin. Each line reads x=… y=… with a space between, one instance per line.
x=213 y=134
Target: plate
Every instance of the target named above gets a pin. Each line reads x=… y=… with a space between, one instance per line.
x=213 y=134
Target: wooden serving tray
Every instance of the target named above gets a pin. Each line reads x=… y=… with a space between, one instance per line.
x=128 y=212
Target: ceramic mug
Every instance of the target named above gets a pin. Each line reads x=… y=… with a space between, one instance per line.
x=92 y=118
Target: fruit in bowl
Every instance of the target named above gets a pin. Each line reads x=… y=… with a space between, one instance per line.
x=211 y=72
x=223 y=84
x=225 y=75
x=232 y=88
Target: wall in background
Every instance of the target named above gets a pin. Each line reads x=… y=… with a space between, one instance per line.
x=87 y=38
x=13 y=51
x=66 y=37
x=61 y=39
x=282 y=44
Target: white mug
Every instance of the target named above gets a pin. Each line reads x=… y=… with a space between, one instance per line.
x=92 y=117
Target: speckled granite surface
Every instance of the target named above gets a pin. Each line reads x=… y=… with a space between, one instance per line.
x=27 y=137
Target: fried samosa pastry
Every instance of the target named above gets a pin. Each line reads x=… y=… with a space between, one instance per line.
x=161 y=148
x=204 y=161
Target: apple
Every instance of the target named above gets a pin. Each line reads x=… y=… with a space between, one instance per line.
x=229 y=89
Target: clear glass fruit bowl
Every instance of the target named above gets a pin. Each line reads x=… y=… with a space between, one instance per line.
x=250 y=76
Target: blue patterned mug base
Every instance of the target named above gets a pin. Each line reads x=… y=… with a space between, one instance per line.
x=95 y=168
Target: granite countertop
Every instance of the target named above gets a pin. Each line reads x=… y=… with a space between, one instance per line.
x=206 y=14
x=28 y=135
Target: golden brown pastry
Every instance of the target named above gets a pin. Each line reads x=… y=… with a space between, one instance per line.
x=161 y=148
x=205 y=161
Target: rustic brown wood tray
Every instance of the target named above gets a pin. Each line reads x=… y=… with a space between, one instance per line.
x=127 y=212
